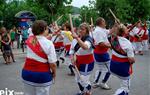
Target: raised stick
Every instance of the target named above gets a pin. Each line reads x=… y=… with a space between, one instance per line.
x=70 y=16
x=116 y=19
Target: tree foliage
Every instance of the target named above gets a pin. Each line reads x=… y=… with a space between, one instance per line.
x=125 y=10
x=88 y=12
x=48 y=10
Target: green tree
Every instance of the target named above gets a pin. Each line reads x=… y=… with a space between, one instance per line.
x=48 y=10
x=54 y=7
x=86 y=13
x=140 y=9
x=125 y=10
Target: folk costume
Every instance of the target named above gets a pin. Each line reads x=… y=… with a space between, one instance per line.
x=67 y=44
x=101 y=55
x=36 y=73
x=137 y=34
x=120 y=65
x=84 y=63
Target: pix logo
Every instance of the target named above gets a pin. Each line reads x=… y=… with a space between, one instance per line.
x=6 y=91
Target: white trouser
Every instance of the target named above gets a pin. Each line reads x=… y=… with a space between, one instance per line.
x=138 y=46
x=133 y=45
x=145 y=45
x=60 y=54
x=68 y=61
x=103 y=67
x=84 y=80
x=125 y=85
x=32 y=90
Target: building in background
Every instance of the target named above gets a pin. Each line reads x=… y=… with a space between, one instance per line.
x=25 y=18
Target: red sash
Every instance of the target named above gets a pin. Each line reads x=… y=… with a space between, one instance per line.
x=36 y=66
x=35 y=46
x=67 y=47
x=32 y=64
x=131 y=38
x=100 y=50
x=58 y=45
x=84 y=59
x=118 y=59
x=145 y=36
x=136 y=39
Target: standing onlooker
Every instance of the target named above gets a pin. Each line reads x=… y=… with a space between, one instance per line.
x=30 y=31
x=6 y=48
x=12 y=36
x=25 y=35
x=39 y=69
x=18 y=37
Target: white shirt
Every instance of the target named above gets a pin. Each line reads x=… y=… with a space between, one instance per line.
x=136 y=30
x=47 y=47
x=58 y=39
x=80 y=50
x=147 y=32
x=126 y=46
x=100 y=35
x=30 y=32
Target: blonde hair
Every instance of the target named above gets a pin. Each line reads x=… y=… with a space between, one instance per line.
x=121 y=29
x=86 y=27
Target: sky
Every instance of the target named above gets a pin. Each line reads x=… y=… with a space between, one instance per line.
x=80 y=3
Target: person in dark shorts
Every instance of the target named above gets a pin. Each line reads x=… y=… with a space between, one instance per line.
x=5 y=46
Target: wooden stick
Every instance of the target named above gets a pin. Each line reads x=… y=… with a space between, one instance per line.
x=59 y=18
x=71 y=24
x=116 y=19
x=133 y=26
x=57 y=27
x=57 y=21
x=92 y=27
x=92 y=21
x=72 y=30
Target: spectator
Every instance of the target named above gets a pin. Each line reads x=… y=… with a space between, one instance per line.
x=6 y=48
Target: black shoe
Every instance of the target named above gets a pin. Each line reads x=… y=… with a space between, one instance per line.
x=14 y=60
x=71 y=74
x=57 y=63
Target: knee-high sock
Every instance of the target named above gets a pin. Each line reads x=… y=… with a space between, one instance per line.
x=71 y=68
x=80 y=87
x=97 y=76
x=88 y=87
x=106 y=77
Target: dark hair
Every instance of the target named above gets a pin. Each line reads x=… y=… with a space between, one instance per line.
x=39 y=27
x=99 y=20
x=67 y=25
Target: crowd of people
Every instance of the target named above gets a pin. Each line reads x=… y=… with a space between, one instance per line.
x=111 y=50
